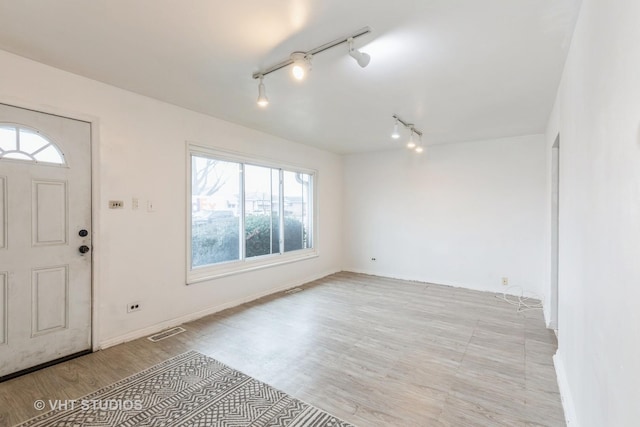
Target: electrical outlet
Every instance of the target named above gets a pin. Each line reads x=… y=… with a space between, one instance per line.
x=116 y=204
x=134 y=203
x=134 y=306
x=505 y=281
x=373 y=259
x=150 y=207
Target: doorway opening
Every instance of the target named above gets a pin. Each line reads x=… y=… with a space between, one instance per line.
x=555 y=228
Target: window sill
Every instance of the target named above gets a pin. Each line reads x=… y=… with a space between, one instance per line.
x=204 y=274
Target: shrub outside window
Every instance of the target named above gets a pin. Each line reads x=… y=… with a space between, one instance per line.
x=246 y=214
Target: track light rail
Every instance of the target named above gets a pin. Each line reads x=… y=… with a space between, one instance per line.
x=407 y=125
x=336 y=42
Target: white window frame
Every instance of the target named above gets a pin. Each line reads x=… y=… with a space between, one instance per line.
x=209 y=272
x=18 y=127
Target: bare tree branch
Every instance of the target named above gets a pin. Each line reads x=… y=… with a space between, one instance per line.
x=207 y=180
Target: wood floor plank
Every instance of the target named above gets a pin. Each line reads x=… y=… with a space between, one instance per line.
x=374 y=351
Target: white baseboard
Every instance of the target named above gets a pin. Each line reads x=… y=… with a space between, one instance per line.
x=139 y=333
x=565 y=392
x=394 y=276
x=439 y=283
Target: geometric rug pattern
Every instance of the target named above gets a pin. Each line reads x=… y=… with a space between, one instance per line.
x=187 y=390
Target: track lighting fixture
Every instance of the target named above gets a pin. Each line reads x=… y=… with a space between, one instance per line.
x=301 y=65
x=419 y=148
x=263 y=101
x=362 y=59
x=396 y=133
x=301 y=61
x=412 y=145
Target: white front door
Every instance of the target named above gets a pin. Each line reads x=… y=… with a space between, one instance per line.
x=45 y=226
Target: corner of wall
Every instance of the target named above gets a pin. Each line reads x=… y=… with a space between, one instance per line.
x=565 y=391
x=551 y=132
x=546 y=312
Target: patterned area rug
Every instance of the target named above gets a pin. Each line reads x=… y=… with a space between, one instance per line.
x=188 y=390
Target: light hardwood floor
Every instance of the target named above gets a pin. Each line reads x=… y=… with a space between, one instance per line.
x=371 y=350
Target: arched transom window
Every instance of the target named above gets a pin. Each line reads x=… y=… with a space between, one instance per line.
x=22 y=143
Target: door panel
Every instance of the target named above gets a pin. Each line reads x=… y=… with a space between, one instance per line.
x=50 y=302
x=45 y=201
x=49 y=213
x=3 y=213
x=3 y=308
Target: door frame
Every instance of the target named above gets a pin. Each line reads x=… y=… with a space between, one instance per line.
x=554 y=267
x=94 y=123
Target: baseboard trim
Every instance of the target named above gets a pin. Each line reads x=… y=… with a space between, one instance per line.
x=565 y=391
x=397 y=277
x=150 y=330
x=423 y=281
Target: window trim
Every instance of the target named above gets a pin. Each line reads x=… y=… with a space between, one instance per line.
x=210 y=272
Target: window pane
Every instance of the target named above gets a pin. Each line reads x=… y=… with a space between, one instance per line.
x=49 y=155
x=31 y=141
x=7 y=138
x=275 y=209
x=30 y=146
x=215 y=208
x=258 y=205
x=296 y=210
x=17 y=156
x=307 y=209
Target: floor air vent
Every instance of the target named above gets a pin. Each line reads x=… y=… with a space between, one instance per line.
x=293 y=291
x=166 y=334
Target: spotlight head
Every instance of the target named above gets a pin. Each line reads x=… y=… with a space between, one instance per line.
x=419 y=148
x=263 y=101
x=396 y=133
x=411 y=144
x=301 y=65
x=298 y=72
x=361 y=58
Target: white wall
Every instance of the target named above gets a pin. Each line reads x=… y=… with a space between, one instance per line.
x=140 y=256
x=597 y=114
x=463 y=214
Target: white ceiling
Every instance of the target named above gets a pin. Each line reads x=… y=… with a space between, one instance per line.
x=459 y=69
